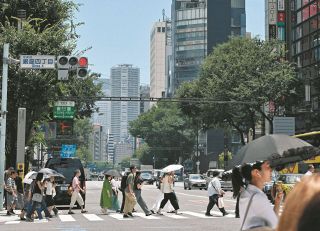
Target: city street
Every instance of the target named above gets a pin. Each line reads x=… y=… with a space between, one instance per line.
x=192 y=203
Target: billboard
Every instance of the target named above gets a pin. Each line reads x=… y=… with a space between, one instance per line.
x=272 y=12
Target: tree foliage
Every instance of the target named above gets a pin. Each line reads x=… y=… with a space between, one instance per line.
x=167 y=133
x=37 y=90
x=248 y=71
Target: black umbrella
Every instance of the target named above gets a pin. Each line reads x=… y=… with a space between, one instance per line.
x=279 y=149
x=112 y=172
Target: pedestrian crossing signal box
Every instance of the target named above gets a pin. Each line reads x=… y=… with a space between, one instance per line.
x=20 y=168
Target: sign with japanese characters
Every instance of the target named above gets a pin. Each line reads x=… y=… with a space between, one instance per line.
x=68 y=150
x=37 y=62
x=272 y=12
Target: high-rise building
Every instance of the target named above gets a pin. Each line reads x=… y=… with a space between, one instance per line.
x=125 y=82
x=197 y=27
x=98 y=143
x=144 y=93
x=160 y=49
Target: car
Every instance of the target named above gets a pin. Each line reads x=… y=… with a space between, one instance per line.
x=67 y=167
x=195 y=181
x=147 y=177
x=287 y=181
x=224 y=178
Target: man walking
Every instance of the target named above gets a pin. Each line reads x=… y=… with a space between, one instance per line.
x=130 y=200
x=137 y=191
x=11 y=193
x=214 y=192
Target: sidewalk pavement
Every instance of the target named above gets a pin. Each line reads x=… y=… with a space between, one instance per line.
x=5 y=218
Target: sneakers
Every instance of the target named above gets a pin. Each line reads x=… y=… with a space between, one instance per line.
x=130 y=214
x=225 y=214
x=70 y=212
x=208 y=215
x=126 y=216
x=84 y=211
x=152 y=211
x=149 y=214
x=159 y=213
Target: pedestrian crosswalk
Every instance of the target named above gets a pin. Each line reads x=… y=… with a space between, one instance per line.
x=117 y=216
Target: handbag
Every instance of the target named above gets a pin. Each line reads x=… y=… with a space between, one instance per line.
x=37 y=197
x=220 y=203
x=70 y=190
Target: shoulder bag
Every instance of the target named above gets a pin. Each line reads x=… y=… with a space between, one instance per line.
x=37 y=197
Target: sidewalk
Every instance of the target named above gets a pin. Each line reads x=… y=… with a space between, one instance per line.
x=5 y=218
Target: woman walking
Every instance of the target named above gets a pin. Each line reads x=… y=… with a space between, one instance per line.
x=76 y=196
x=50 y=191
x=169 y=193
x=115 y=202
x=106 y=195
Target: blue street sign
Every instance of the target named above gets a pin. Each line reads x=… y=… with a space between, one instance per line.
x=68 y=150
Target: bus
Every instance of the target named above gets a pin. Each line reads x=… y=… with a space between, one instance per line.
x=312 y=138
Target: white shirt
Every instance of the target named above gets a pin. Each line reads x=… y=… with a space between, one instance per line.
x=167 y=187
x=260 y=212
x=114 y=184
x=213 y=186
x=49 y=190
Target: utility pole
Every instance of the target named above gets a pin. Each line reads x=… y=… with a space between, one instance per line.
x=5 y=68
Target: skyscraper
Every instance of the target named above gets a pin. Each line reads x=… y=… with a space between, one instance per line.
x=160 y=49
x=125 y=82
x=198 y=26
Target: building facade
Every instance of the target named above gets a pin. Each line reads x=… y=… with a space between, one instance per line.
x=144 y=93
x=160 y=49
x=125 y=82
x=197 y=27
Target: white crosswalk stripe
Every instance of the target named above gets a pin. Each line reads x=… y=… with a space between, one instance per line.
x=120 y=217
x=66 y=218
x=200 y=215
x=12 y=222
x=146 y=217
x=92 y=217
x=174 y=216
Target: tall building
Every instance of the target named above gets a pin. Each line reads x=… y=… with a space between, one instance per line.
x=144 y=93
x=197 y=27
x=160 y=49
x=125 y=82
x=98 y=143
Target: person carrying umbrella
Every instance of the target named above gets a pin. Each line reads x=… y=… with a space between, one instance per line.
x=106 y=195
x=169 y=193
x=255 y=208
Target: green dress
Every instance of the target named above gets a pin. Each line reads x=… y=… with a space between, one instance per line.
x=106 y=195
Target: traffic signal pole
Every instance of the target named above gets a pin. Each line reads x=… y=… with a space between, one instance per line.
x=3 y=118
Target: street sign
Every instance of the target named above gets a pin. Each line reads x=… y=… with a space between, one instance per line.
x=68 y=150
x=63 y=110
x=37 y=62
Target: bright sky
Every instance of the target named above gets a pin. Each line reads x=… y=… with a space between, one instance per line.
x=119 y=31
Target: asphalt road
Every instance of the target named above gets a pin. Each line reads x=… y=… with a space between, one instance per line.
x=192 y=203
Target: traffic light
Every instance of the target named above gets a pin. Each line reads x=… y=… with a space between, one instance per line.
x=82 y=69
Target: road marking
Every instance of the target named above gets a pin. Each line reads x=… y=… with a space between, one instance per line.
x=174 y=216
x=66 y=218
x=11 y=222
x=146 y=217
x=196 y=214
x=120 y=217
x=40 y=221
x=185 y=194
x=92 y=217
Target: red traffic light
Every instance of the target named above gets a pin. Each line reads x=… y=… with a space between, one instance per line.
x=83 y=62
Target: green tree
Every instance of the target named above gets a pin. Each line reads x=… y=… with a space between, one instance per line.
x=37 y=90
x=249 y=71
x=166 y=131
x=83 y=131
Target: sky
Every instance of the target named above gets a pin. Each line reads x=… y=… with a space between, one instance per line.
x=119 y=31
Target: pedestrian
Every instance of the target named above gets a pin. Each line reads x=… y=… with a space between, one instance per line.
x=76 y=196
x=26 y=201
x=115 y=202
x=38 y=201
x=106 y=195
x=12 y=194
x=20 y=200
x=169 y=193
x=215 y=192
x=138 y=182
x=7 y=174
x=236 y=178
x=302 y=206
x=50 y=192
x=310 y=170
x=255 y=208
x=122 y=188
x=130 y=200
x=159 y=199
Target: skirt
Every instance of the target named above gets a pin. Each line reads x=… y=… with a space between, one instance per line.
x=49 y=200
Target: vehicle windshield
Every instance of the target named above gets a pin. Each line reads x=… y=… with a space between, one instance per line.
x=196 y=177
x=146 y=175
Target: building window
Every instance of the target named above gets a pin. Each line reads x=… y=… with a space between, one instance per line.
x=158 y=29
x=305 y=13
x=163 y=29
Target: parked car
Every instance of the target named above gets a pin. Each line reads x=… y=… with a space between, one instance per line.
x=66 y=166
x=147 y=177
x=195 y=181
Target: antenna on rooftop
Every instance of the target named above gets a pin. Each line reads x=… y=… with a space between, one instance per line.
x=163 y=14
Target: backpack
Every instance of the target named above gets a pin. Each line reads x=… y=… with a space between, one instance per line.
x=123 y=182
